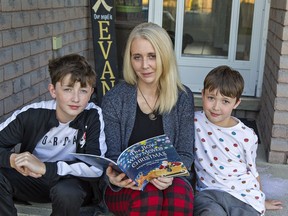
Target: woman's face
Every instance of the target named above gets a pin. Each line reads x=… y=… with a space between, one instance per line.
x=143 y=60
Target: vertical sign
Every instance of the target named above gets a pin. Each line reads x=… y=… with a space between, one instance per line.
x=104 y=43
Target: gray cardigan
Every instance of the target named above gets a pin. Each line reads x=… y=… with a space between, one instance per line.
x=119 y=111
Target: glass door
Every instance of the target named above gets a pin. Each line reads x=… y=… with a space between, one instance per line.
x=207 y=27
x=129 y=13
x=208 y=33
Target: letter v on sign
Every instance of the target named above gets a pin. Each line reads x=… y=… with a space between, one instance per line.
x=105 y=54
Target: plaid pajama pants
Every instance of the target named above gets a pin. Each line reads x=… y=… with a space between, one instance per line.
x=175 y=200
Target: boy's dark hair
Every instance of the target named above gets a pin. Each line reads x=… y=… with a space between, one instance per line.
x=228 y=81
x=74 y=64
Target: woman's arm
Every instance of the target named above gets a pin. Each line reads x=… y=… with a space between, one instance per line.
x=186 y=136
x=111 y=115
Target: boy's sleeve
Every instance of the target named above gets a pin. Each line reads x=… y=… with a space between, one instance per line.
x=251 y=155
x=10 y=136
x=95 y=136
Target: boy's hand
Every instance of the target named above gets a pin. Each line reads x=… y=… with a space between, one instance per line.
x=273 y=204
x=28 y=165
x=120 y=180
x=23 y=170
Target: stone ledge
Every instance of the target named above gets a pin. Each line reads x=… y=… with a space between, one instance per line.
x=34 y=209
x=44 y=209
x=277 y=157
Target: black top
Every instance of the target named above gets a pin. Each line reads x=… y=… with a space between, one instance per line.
x=144 y=127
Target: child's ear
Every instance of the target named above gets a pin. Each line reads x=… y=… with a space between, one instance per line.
x=92 y=91
x=237 y=103
x=203 y=92
x=52 y=90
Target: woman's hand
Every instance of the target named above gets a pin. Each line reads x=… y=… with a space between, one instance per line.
x=120 y=180
x=273 y=204
x=162 y=182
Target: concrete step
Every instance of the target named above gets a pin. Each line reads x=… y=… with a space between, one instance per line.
x=274 y=180
x=45 y=209
x=35 y=209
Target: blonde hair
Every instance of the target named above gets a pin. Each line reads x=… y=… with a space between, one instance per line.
x=167 y=74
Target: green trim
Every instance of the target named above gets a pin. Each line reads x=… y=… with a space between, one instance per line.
x=128 y=9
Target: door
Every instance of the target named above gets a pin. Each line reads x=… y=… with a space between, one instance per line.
x=209 y=33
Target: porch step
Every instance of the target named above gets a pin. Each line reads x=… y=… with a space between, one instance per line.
x=35 y=209
x=45 y=209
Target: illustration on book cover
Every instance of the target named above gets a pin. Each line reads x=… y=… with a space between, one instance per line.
x=150 y=159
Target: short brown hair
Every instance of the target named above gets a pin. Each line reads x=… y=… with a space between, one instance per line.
x=228 y=81
x=74 y=64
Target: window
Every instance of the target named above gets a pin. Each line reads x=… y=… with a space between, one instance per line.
x=209 y=33
x=129 y=13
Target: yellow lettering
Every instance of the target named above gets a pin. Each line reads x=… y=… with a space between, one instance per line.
x=104 y=29
x=107 y=70
x=106 y=87
x=105 y=54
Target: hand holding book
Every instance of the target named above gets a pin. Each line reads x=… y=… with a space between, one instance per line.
x=143 y=161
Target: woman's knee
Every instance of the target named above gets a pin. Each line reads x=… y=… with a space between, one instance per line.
x=181 y=188
x=178 y=198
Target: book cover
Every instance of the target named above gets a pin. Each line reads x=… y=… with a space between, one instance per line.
x=100 y=162
x=143 y=161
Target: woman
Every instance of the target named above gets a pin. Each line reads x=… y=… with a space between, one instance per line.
x=152 y=101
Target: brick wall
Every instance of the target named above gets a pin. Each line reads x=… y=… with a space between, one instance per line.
x=273 y=115
x=26 y=31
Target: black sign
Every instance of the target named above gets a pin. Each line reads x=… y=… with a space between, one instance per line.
x=105 y=53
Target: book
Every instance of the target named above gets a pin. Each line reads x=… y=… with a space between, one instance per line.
x=143 y=161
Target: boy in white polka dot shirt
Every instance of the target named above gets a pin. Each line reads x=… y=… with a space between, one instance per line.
x=225 y=152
